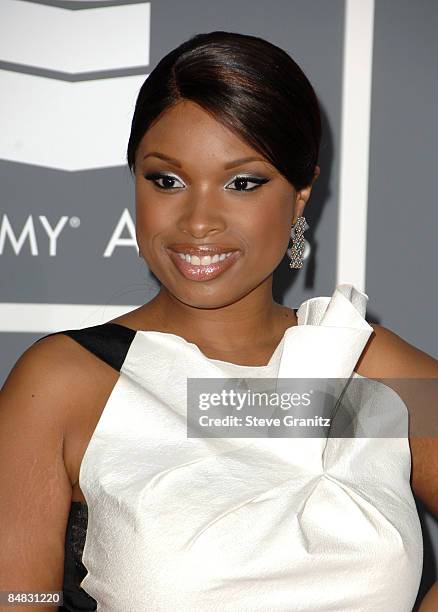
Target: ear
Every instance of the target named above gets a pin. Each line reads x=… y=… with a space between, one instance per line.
x=303 y=196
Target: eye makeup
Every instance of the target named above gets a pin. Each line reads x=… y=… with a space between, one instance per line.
x=240 y=178
x=246 y=178
x=156 y=176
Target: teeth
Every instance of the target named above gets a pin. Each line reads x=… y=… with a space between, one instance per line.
x=205 y=260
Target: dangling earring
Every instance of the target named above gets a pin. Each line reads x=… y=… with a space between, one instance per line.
x=297 y=248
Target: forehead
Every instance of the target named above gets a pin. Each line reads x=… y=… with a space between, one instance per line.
x=187 y=131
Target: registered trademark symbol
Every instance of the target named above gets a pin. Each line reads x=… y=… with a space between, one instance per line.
x=74 y=222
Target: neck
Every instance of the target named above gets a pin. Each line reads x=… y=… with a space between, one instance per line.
x=253 y=319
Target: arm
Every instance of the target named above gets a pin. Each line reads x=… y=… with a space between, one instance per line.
x=430 y=602
x=389 y=356
x=35 y=490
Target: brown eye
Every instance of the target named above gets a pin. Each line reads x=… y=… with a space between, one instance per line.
x=242 y=182
x=167 y=179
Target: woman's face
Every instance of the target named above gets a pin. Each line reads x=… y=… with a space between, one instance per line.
x=205 y=198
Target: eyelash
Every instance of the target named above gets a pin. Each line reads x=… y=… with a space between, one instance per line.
x=250 y=179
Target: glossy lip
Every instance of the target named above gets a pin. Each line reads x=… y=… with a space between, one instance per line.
x=201 y=273
x=208 y=249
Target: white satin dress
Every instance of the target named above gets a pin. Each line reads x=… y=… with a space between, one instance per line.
x=179 y=524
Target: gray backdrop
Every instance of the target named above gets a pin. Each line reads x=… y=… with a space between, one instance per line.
x=68 y=255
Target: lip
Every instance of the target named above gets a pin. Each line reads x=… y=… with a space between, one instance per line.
x=208 y=249
x=205 y=272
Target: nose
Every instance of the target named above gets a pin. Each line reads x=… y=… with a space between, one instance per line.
x=202 y=215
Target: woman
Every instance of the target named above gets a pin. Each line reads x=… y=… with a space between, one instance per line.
x=224 y=148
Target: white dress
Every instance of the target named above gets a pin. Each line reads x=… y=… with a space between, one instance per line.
x=179 y=524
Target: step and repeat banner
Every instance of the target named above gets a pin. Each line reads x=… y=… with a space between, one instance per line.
x=70 y=72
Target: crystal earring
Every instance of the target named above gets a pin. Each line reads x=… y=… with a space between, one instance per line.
x=297 y=248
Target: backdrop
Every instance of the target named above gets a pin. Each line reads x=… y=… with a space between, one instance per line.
x=69 y=75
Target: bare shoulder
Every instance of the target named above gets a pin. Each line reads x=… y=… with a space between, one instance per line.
x=48 y=367
x=387 y=355
x=57 y=365
x=53 y=383
x=35 y=402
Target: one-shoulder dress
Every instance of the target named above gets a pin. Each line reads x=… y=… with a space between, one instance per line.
x=285 y=524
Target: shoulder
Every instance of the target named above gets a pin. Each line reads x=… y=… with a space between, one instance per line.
x=52 y=378
x=39 y=390
x=56 y=388
x=387 y=355
x=63 y=354
x=49 y=383
x=48 y=365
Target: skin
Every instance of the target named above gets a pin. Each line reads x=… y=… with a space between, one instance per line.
x=51 y=396
x=221 y=314
x=430 y=602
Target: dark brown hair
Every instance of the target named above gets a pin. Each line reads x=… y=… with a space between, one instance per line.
x=249 y=85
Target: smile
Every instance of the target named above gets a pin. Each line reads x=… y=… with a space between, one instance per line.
x=202 y=268
x=205 y=259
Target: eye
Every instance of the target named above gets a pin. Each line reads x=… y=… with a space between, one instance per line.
x=242 y=182
x=167 y=179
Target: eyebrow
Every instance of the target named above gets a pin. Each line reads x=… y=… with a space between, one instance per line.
x=231 y=164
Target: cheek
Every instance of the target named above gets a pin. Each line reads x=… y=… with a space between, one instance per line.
x=147 y=227
x=270 y=228
x=150 y=218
